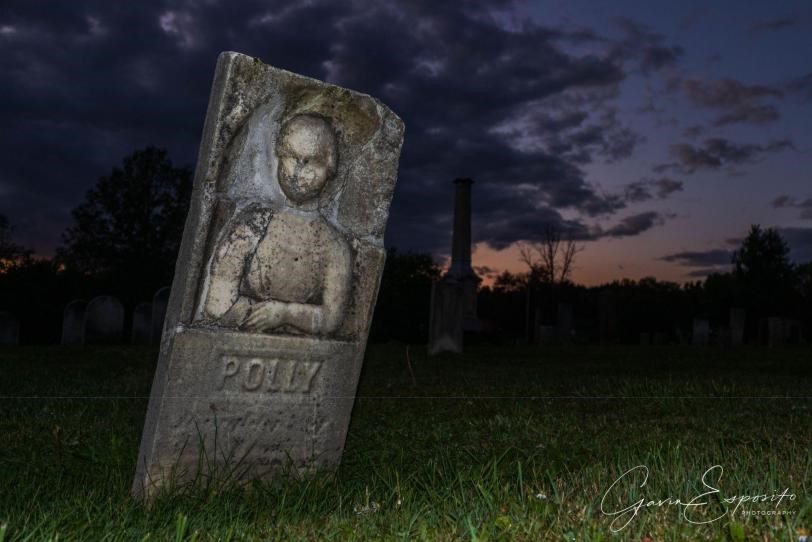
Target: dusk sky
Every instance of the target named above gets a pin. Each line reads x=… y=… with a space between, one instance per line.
x=653 y=132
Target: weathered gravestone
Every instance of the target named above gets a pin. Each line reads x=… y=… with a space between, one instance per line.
x=73 y=321
x=782 y=331
x=104 y=321
x=701 y=332
x=9 y=329
x=446 y=316
x=737 y=319
x=275 y=281
x=159 y=303
x=142 y=324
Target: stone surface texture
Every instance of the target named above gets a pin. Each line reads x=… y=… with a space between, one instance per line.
x=276 y=279
x=104 y=321
x=73 y=321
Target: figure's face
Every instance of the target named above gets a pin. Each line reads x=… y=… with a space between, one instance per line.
x=307 y=157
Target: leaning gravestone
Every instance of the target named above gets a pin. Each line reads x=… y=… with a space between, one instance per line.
x=73 y=321
x=9 y=329
x=142 y=324
x=104 y=321
x=275 y=281
x=159 y=302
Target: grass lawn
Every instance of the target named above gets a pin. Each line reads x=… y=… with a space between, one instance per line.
x=503 y=444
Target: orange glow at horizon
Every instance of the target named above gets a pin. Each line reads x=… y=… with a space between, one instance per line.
x=599 y=263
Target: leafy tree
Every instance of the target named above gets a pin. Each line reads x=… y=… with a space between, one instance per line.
x=763 y=256
x=764 y=270
x=402 y=309
x=128 y=230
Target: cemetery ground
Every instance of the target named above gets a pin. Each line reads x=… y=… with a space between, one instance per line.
x=501 y=444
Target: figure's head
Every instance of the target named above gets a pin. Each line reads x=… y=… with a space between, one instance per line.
x=307 y=154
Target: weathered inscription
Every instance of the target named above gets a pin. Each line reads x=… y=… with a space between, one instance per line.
x=270 y=375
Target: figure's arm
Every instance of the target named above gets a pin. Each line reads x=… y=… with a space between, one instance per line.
x=223 y=300
x=312 y=319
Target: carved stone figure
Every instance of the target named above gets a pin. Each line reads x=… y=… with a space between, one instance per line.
x=287 y=269
x=275 y=281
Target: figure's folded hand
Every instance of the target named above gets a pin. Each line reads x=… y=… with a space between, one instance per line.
x=263 y=316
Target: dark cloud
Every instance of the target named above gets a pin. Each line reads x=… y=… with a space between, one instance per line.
x=801 y=87
x=647 y=46
x=666 y=187
x=646 y=189
x=740 y=103
x=719 y=260
x=516 y=108
x=693 y=131
x=750 y=113
x=635 y=224
x=723 y=93
x=786 y=201
x=718 y=152
x=773 y=25
x=701 y=258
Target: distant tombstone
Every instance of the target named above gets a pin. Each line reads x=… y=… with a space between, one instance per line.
x=9 y=329
x=159 y=303
x=142 y=324
x=564 y=322
x=701 y=332
x=104 y=321
x=776 y=332
x=736 y=324
x=659 y=338
x=73 y=319
x=793 y=331
x=447 y=310
x=275 y=280
x=645 y=338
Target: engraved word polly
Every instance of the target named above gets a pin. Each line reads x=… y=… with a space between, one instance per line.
x=274 y=375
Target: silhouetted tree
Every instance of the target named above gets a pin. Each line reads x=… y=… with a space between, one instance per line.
x=402 y=309
x=128 y=230
x=763 y=267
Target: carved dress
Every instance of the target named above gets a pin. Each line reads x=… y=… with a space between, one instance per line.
x=294 y=258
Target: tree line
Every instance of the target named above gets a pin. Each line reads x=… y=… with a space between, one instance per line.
x=126 y=234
